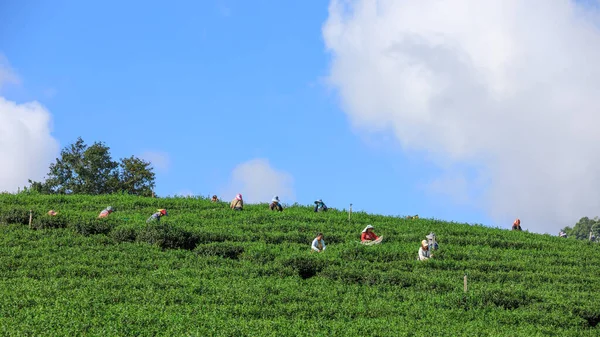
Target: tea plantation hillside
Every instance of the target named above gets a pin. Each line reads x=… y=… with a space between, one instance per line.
x=209 y=271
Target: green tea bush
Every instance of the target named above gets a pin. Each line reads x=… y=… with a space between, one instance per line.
x=252 y=273
x=208 y=237
x=168 y=237
x=124 y=234
x=47 y=221
x=94 y=226
x=305 y=266
x=225 y=250
x=14 y=215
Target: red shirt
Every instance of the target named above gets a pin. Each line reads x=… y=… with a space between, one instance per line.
x=368 y=236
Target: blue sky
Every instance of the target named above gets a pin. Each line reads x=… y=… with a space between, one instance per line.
x=210 y=85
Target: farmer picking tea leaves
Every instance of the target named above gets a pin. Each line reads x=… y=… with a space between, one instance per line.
x=318 y=244
x=275 y=204
x=106 y=212
x=320 y=206
x=424 y=253
x=516 y=225
x=237 y=204
x=156 y=216
x=368 y=237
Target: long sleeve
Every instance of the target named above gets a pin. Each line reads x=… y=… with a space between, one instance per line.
x=363 y=236
x=153 y=217
x=236 y=203
x=422 y=254
x=314 y=245
x=323 y=243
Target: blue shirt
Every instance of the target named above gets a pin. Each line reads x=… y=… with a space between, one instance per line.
x=154 y=217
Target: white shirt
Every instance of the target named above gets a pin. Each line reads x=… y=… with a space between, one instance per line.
x=423 y=254
x=315 y=244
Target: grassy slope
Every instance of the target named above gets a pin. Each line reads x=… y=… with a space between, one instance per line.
x=244 y=276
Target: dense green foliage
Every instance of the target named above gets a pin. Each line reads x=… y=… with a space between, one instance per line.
x=83 y=169
x=583 y=227
x=205 y=270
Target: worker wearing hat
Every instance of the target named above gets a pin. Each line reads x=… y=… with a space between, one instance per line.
x=106 y=212
x=156 y=216
x=368 y=237
x=424 y=253
x=237 y=204
x=431 y=240
x=275 y=204
x=320 y=206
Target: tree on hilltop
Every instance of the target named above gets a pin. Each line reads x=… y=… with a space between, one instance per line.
x=83 y=169
x=582 y=228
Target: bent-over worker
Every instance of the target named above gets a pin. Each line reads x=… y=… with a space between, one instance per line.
x=214 y=198
x=156 y=216
x=275 y=204
x=320 y=206
x=106 y=212
x=237 y=204
x=318 y=243
x=516 y=225
x=52 y=212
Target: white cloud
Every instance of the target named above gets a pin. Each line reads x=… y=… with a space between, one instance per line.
x=7 y=75
x=160 y=160
x=259 y=182
x=508 y=86
x=26 y=146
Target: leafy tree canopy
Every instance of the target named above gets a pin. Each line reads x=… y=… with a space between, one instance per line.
x=83 y=169
x=583 y=227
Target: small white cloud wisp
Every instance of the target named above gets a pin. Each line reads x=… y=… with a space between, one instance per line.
x=7 y=74
x=159 y=160
x=508 y=87
x=26 y=145
x=259 y=182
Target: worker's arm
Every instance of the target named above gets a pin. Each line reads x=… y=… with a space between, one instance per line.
x=363 y=237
